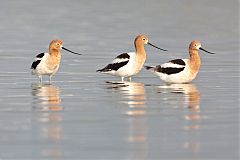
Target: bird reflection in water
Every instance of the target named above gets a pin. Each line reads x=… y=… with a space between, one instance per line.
x=133 y=95
x=190 y=97
x=47 y=104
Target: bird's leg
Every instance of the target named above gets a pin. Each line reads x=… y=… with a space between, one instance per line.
x=40 y=79
x=50 y=79
x=122 y=79
x=130 y=79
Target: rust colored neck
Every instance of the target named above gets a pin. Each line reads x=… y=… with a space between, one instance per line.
x=140 y=55
x=54 y=52
x=139 y=47
x=195 y=61
x=54 y=59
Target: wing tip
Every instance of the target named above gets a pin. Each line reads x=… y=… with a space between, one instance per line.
x=148 y=67
x=151 y=68
x=35 y=64
x=103 y=70
x=99 y=70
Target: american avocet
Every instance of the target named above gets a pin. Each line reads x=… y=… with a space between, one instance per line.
x=48 y=63
x=129 y=64
x=180 y=70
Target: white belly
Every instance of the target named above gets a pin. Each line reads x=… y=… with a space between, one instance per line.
x=182 y=77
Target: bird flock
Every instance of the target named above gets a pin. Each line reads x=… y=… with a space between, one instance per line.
x=127 y=64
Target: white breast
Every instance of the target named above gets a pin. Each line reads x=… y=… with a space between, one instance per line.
x=129 y=69
x=42 y=67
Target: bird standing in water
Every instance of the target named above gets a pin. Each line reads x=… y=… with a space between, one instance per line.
x=129 y=64
x=180 y=70
x=48 y=63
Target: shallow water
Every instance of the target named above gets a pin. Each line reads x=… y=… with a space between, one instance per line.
x=87 y=115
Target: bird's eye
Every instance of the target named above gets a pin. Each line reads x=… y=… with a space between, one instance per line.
x=144 y=39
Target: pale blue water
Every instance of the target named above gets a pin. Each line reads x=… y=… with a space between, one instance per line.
x=80 y=116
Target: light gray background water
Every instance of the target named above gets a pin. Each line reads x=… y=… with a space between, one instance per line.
x=80 y=116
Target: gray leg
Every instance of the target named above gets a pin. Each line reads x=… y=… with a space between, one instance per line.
x=40 y=79
x=50 y=79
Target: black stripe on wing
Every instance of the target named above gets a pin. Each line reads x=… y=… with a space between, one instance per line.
x=178 y=61
x=40 y=55
x=113 y=67
x=168 y=70
x=35 y=64
x=123 y=56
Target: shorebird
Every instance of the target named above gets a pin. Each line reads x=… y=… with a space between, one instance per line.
x=48 y=63
x=129 y=64
x=180 y=70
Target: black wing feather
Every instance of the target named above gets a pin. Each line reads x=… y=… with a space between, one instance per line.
x=168 y=70
x=178 y=61
x=113 y=66
x=37 y=60
x=40 y=55
x=116 y=66
x=123 y=56
x=35 y=64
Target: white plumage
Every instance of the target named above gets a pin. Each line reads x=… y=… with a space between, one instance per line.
x=48 y=63
x=180 y=70
x=181 y=75
x=42 y=68
x=123 y=67
x=129 y=64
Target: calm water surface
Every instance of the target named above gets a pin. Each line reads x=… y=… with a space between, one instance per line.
x=87 y=115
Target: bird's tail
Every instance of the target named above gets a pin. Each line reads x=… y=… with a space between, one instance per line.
x=150 y=68
x=102 y=70
x=105 y=69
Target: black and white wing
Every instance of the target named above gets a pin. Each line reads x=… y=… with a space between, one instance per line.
x=37 y=60
x=171 y=67
x=117 y=63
